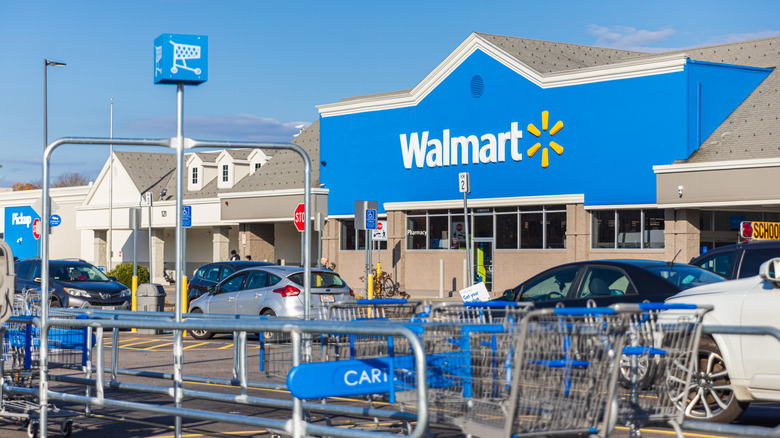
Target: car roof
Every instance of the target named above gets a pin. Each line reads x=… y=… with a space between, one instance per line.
x=639 y=263
x=284 y=270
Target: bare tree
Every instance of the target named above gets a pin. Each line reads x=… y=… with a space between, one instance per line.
x=70 y=179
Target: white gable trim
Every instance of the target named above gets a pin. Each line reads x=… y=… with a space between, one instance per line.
x=631 y=69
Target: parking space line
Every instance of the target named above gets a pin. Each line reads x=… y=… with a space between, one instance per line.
x=196 y=345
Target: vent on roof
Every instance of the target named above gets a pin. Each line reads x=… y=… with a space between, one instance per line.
x=477 y=86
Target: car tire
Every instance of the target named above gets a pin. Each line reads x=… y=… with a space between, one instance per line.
x=55 y=302
x=646 y=370
x=200 y=335
x=269 y=336
x=710 y=396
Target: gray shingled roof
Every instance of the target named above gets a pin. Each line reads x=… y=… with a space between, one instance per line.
x=752 y=131
x=284 y=169
x=548 y=56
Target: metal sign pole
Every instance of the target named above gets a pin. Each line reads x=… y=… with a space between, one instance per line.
x=178 y=350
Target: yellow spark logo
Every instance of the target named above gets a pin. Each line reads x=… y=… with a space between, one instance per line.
x=535 y=131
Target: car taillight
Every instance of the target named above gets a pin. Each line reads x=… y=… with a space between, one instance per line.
x=351 y=293
x=288 y=291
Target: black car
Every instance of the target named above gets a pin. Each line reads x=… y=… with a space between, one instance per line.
x=212 y=273
x=740 y=260
x=73 y=283
x=606 y=282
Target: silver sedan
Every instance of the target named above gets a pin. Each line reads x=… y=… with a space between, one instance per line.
x=269 y=291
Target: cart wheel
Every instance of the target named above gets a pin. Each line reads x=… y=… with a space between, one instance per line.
x=197 y=71
x=66 y=427
x=174 y=69
x=32 y=429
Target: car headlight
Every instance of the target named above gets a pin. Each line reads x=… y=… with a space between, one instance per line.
x=124 y=293
x=77 y=292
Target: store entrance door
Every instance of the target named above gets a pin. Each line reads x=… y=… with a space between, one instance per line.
x=483 y=262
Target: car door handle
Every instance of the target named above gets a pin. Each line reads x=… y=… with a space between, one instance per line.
x=258 y=295
x=231 y=298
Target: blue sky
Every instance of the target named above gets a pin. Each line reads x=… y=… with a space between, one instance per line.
x=272 y=62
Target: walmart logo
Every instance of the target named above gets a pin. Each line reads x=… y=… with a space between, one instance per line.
x=553 y=145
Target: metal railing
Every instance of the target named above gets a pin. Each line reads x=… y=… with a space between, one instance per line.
x=297 y=426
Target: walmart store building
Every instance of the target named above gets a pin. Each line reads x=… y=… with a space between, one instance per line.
x=573 y=153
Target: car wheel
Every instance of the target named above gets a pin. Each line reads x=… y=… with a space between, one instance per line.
x=55 y=302
x=645 y=369
x=200 y=334
x=270 y=336
x=710 y=395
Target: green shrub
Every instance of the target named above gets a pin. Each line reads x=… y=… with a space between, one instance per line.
x=124 y=274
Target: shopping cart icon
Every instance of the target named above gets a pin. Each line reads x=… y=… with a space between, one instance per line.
x=183 y=52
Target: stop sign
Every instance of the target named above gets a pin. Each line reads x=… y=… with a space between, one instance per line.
x=299 y=218
x=36 y=229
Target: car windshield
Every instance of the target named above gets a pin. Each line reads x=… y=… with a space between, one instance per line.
x=77 y=272
x=319 y=279
x=685 y=277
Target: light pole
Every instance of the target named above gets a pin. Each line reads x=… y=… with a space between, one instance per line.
x=46 y=64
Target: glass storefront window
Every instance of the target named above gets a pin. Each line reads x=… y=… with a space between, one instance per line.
x=506 y=231
x=602 y=231
x=416 y=232
x=352 y=239
x=654 y=229
x=556 y=230
x=635 y=229
x=458 y=230
x=531 y=230
x=629 y=229
x=438 y=235
x=483 y=226
x=347 y=235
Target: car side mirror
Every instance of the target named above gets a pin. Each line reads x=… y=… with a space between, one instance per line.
x=212 y=290
x=770 y=271
x=111 y=277
x=509 y=295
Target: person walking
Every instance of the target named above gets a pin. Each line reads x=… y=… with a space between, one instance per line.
x=323 y=264
x=234 y=255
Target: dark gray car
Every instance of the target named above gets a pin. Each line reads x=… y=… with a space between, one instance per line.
x=73 y=283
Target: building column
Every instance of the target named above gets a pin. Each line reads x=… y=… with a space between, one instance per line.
x=100 y=237
x=682 y=237
x=158 y=255
x=220 y=244
x=257 y=240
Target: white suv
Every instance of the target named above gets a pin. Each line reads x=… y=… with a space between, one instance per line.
x=734 y=370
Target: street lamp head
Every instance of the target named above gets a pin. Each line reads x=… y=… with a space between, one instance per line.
x=54 y=63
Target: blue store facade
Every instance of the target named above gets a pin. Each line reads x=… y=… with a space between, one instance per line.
x=567 y=148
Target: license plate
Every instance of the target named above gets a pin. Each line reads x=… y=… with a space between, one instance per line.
x=326 y=298
x=109 y=307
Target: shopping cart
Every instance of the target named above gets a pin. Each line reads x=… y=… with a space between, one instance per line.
x=183 y=52
x=657 y=364
x=20 y=365
x=563 y=375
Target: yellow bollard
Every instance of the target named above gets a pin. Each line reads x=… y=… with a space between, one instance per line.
x=184 y=308
x=134 y=299
x=370 y=293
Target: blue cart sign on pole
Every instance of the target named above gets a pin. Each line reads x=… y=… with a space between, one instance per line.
x=186 y=216
x=181 y=58
x=55 y=220
x=371 y=219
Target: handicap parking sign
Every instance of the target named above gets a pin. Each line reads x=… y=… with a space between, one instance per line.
x=370 y=219
x=180 y=58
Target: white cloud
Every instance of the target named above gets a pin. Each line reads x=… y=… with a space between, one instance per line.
x=630 y=38
x=737 y=37
x=241 y=127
